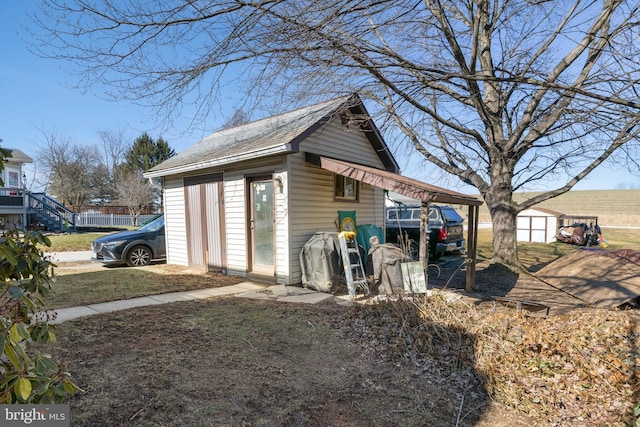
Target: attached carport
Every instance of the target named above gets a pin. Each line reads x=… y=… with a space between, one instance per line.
x=414 y=189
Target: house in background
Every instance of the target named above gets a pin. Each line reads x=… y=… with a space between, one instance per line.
x=12 y=210
x=20 y=208
x=245 y=200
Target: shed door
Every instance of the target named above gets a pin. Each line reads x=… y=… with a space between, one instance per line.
x=261 y=226
x=205 y=222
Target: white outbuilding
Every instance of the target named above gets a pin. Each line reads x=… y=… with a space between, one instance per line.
x=538 y=225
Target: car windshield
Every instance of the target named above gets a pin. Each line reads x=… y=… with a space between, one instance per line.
x=154 y=225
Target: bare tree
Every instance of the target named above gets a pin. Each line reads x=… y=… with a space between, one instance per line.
x=505 y=95
x=134 y=191
x=114 y=148
x=75 y=173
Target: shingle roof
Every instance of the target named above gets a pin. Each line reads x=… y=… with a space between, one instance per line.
x=272 y=135
x=18 y=156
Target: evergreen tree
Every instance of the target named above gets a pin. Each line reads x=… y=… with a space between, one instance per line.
x=146 y=153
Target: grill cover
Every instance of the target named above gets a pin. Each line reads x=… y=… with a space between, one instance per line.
x=320 y=262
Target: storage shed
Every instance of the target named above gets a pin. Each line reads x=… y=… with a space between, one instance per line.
x=245 y=200
x=538 y=225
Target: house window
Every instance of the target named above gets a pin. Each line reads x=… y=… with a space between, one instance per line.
x=14 y=179
x=345 y=189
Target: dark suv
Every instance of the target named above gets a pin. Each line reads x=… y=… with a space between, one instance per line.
x=136 y=248
x=445 y=227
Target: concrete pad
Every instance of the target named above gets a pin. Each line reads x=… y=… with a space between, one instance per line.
x=282 y=290
x=288 y=294
x=314 y=298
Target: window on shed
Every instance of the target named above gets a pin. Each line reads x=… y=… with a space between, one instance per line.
x=345 y=188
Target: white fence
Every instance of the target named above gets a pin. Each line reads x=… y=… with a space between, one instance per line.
x=88 y=219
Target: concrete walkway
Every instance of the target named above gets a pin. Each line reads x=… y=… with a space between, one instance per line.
x=243 y=290
x=75 y=256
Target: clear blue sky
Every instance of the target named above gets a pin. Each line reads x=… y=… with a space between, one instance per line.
x=38 y=94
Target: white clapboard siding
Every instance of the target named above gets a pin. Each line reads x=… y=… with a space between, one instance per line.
x=175 y=223
x=337 y=141
x=311 y=204
x=234 y=208
x=235 y=204
x=282 y=259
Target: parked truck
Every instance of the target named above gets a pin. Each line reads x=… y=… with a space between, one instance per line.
x=444 y=226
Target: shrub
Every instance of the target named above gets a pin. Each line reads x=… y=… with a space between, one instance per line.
x=26 y=374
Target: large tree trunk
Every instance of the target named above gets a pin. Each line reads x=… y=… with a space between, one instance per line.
x=505 y=249
x=503 y=211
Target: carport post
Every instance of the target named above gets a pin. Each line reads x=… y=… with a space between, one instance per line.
x=423 y=246
x=472 y=246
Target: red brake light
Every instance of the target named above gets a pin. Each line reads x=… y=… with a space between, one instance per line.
x=442 y=235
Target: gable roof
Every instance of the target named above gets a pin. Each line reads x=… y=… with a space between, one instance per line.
x=18 y=156
x=278 y=134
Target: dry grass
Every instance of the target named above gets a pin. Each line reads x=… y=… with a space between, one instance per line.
x=228 y=362
x=577 y=369
x=90 y=283
x=72 y=241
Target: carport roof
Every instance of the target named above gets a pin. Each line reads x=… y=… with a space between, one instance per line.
x=390 y=181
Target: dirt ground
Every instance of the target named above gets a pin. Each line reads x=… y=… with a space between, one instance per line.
x=237 y=362
x=584 y=278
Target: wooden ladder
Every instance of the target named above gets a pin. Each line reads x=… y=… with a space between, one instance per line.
x=352 y=262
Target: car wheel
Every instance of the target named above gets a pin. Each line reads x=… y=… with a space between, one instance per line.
x=139 y=256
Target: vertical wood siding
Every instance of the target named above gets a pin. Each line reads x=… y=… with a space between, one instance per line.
x=215 y=233
x=195 y=233
x=205 y=236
